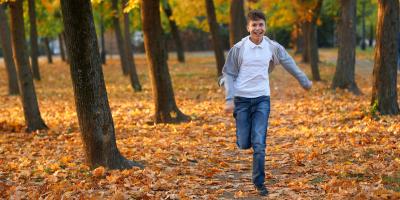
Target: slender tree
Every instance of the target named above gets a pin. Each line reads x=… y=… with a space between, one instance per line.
x=237 y=25
x=129 y=53
x=61 y=44
x=49 y=53
x=312 y=41
x=384 y=91
x=94 y=115
x=33 y=39
x=28 y=95
x=7 y=53
x=119 y=38
x=371 y=36
x=166 y=110
x=65 y=46
x=214 y=29
x=363 y=43
x=344 y=77
x=174 y=31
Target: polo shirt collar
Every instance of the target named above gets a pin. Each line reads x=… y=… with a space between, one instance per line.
x=261 y=45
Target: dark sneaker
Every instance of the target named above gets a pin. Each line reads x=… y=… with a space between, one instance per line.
x=262 y=190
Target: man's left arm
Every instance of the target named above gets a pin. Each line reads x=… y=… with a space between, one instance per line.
x=290 y=65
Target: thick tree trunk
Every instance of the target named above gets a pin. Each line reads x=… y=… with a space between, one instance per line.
x=48 y=50
x=174 y=31
x=237 y=25
x=344 y=77
x=60 y=41
x=166 y=110
x=384 y=92
x=94 y=115
x=119 y=38
x=129 y=53
x=28 y=95
x=214 y=29
x=7 y=53
x=33 y=39
x=103 y=52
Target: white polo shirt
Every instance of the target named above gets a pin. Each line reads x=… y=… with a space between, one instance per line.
x=253 y=79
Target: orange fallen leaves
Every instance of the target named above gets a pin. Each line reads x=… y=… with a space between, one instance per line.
x=320 y=144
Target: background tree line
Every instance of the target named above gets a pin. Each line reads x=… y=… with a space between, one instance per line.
x=75 y=27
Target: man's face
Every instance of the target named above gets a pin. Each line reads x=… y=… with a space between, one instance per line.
x=256 y=28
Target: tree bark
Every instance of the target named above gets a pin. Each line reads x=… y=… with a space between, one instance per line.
x=305 y=35
x=214 y=29
x=371 y=36
x=94 y=115
x=174 y=31
x=384 y=92
x=363 y=44
x=60 y=41
x=119 y=38
x=344 y=77
x=166 y=110
x=7 y=53
x=237 y=25
x=103 y=51
x=129 y=53
x=313 y=42
x=48 y=50
x=33 y=39
x=65 y=46
x=28 y=95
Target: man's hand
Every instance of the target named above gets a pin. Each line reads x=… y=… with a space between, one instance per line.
x=229 y=106
x=308 y=88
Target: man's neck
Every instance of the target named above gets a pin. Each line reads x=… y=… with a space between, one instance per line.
x=257 y=42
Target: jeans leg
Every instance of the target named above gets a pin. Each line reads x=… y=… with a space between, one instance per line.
x=243 y=125
x=260 y=116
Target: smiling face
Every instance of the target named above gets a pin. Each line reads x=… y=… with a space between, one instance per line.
x=256 y=28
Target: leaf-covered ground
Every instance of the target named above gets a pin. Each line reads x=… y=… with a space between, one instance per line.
x=321 y=144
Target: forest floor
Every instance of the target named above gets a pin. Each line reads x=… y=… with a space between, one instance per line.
x=321 y=144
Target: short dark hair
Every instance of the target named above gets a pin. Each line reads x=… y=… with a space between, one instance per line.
x=254 y=15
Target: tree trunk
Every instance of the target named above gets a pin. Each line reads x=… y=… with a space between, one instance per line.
x=305 y=35
x=166 y=110
x=48 y=50
x=384 y=92
x=33 y=39
x=363 y=44
x=7 y=53
x=119 y=38
x=344 y=77
x=65 y=47
x=237 y=25
x=102 y=40
x=297 y=39
x=214 y=29
x=60 y=41
x=174 y=31
x=94 y=115
x=371 y=36
x=313 y=42
x=129 y=53
x=28 y=95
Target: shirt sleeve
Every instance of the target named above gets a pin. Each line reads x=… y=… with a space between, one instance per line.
x=289 y=65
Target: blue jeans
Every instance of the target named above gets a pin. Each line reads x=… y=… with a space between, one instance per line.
x=251 y=115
